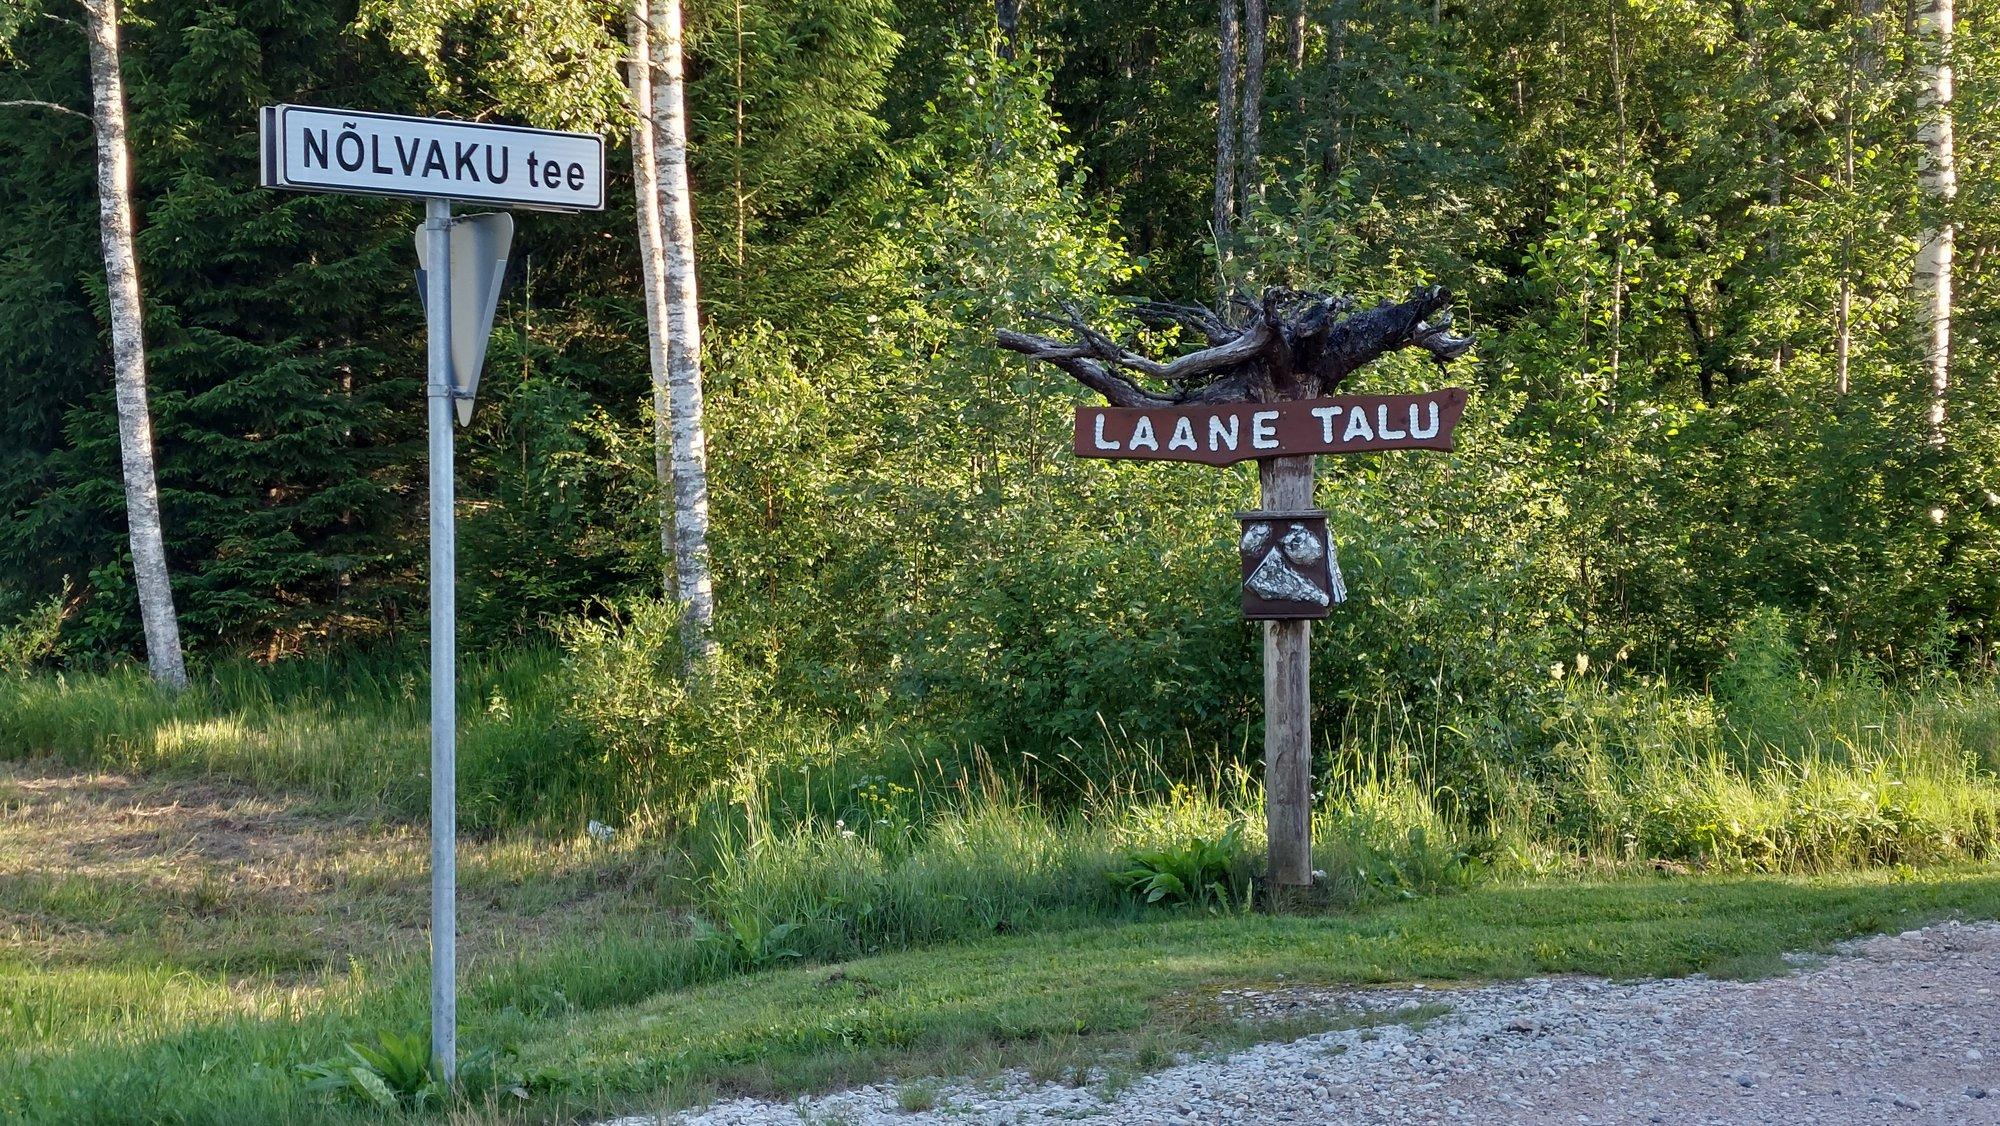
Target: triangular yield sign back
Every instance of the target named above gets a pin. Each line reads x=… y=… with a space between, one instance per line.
x=479 y=246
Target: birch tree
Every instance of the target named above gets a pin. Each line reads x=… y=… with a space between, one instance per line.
x=128 y=348
x=1938 y=178
x=652 y=258
x=694 y=585
x=128 y=335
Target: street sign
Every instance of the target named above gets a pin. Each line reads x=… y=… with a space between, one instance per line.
x=1226 y=433
x=356 y=153
x=478 y=265
x=305 y=148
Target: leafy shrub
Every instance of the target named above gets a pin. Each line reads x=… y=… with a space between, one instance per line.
x=1760 y=682
x=35 y=636
x=1197 y=872
x=663 y=736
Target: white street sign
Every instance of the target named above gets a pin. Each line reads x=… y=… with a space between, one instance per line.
x=478 y=265
x=334 y=150
x=438 y=161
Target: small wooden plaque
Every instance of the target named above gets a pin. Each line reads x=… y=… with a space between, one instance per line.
x=1288 y=569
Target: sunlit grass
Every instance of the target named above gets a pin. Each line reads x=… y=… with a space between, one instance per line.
x=199 y=893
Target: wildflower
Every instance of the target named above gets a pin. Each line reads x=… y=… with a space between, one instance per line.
x=600 y=832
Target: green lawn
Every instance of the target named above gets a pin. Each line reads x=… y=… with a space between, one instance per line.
x=160 y=969
x=966 y=1008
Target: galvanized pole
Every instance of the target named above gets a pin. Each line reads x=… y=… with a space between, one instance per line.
x=444 y=655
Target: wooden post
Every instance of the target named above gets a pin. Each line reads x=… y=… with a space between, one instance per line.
x=1287 y=484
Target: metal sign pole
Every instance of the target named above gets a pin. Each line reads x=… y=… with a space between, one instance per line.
x=321 y=149
x=444 y=656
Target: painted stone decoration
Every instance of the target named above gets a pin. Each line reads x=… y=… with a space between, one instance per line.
x=1289 y=569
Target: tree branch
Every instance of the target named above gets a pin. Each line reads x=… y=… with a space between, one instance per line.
x=1289 y=346
x=1367 y=336
x=1116 y=387
x=30 y=103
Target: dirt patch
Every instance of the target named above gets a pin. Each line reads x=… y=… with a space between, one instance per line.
x=98 y=867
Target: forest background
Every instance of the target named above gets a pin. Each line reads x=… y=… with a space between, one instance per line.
x=1683 y=232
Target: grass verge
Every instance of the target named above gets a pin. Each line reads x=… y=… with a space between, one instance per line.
x=596 y=1026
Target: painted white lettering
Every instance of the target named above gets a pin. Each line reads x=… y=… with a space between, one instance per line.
x=1357 y=427
x=1263 y=430
x=340 y=150
x=1183 y=438
x=1142 y=434
x=1216 y=431
x=1382 y=430
x=1326 y=415
x=1099 y=435
x=1419 y=431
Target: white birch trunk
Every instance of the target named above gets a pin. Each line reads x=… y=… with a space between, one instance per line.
x=694 y=584
x=1938 y=178
x=652 y=261
x=128 y=348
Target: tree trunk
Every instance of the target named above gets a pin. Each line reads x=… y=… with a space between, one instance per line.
x=1938 y=178
x=1843 y=328
x=652 y=260
x=1256 y=36
x=128 y=349
x=1624 y=189
x=694 y=584
x=1007 y=16
x=1225 y=146
x=1298 y=45
x=736 y=165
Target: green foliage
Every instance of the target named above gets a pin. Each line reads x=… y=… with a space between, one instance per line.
x=1196 y=872
x=395 y=1072
x=34 y=637
x=663 y=736
x=746 y=940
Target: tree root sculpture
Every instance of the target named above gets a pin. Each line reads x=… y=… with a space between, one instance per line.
x=1286 y=345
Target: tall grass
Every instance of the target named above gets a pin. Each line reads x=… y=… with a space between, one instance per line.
x=1772 y=770
x=351 y=732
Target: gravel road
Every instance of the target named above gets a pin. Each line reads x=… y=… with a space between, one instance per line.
x=1891 y=1029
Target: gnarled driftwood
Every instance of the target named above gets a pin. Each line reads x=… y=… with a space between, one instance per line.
x=1286 y=345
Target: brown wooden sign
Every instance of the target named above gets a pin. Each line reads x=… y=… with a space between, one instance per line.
x=1226 y=433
